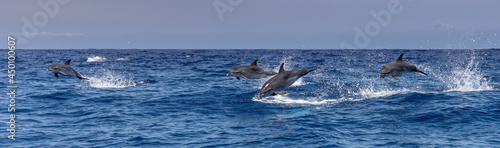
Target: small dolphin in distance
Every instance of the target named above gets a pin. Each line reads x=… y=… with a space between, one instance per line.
x=251 y=71
x=398 y=68
x=283 y=80
x=66 y=70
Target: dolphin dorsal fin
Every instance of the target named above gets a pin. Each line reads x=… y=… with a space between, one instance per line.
x=254 y=63
x=67 y=62
x=400 y=57
x=281 y=68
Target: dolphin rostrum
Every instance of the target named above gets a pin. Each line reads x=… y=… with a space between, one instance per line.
x=398 y=68
x=65 y=69
x=251 y=71
x=283 y=80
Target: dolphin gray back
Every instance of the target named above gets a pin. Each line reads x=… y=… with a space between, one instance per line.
x=286 y=75
x=67 y=70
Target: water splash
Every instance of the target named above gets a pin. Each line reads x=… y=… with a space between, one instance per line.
x=371 y=91
x=112 y=80
x=285 y=99
x=466 y=78
x=354 y=85
x=96 y=59
x=299 y=82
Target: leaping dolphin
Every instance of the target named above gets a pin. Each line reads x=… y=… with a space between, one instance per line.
x=398 y=68
x=251 y=71
x=65 y=69
x=283 y=80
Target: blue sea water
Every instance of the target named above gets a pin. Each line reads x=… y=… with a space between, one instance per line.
x=162 y=98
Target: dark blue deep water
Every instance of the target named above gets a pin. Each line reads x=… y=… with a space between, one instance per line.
x=161 y=98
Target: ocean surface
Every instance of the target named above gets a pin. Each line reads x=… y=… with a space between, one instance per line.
x=164 y=98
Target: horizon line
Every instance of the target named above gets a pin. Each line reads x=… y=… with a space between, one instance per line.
x=241 y=49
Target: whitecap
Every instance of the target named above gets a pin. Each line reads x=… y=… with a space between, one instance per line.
x=96 y=59
x=123 y=59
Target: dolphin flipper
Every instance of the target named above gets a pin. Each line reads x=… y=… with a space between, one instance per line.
x=238 y=78
x=57 y=76
x=83 y=78
x=312 y=69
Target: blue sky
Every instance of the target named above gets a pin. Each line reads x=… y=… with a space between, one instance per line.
x=252 y=24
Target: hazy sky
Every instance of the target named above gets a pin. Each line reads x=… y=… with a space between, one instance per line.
x=252 y=24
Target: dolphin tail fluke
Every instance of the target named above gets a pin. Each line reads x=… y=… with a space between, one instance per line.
x=308 y=71
x=421 y=72
x=313 y=69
